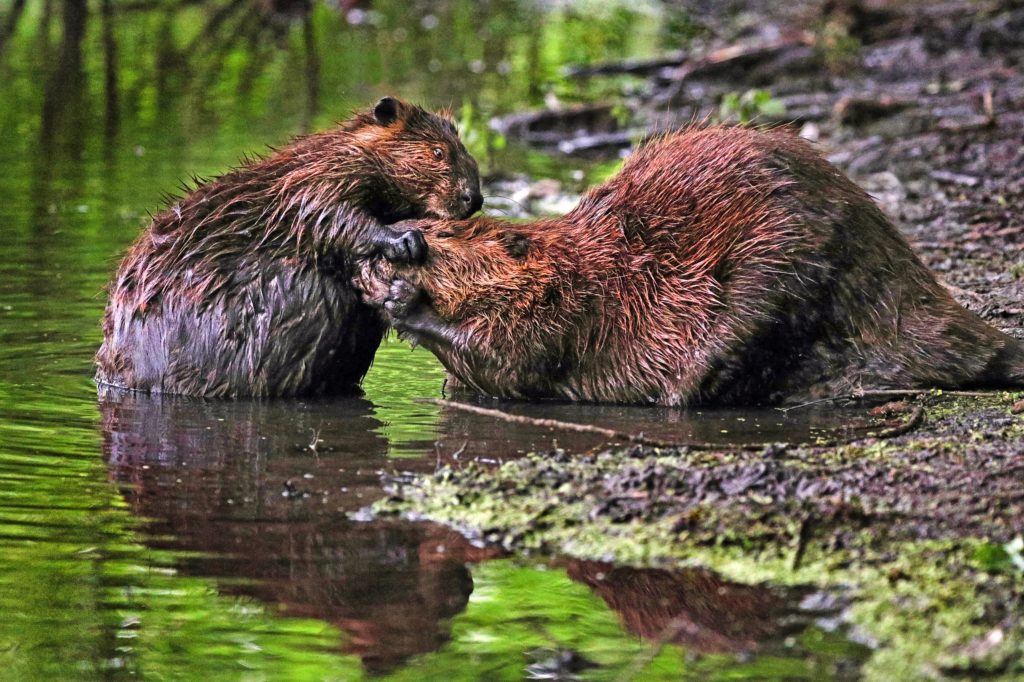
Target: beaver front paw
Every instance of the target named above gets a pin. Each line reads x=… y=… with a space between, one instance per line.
x=403 y=300
x=411 y=313
x=403 y=246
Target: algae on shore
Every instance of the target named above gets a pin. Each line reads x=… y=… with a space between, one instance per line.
x=917 y=531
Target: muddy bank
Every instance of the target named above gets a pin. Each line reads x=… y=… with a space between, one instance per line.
x=919 y=530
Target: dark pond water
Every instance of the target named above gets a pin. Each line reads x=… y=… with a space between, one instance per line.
x=183 y=539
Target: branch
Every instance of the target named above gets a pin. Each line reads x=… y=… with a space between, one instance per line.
x=915 y=420
x=559 y=425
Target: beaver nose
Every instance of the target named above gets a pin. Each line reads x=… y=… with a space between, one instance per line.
x=472 y=202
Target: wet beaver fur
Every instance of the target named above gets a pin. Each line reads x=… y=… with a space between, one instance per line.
x=721 y=265
x=243 y=287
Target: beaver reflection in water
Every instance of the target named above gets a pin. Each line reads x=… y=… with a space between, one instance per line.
x=721 y=265
x=243 y=287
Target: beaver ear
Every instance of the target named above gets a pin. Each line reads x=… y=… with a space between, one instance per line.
x=385 y=112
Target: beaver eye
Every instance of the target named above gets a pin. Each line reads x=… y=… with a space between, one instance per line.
x=438 y=153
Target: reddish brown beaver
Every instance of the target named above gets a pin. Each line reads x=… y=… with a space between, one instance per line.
x=243 y=287
x=721 y=265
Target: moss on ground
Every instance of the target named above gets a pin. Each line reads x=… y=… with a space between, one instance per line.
x=913 y=529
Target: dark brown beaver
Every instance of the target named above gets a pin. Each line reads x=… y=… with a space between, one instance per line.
x=242 y=288
x=721 y=265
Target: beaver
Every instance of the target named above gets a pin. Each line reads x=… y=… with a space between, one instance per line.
x=243 y=287
x=721 y=265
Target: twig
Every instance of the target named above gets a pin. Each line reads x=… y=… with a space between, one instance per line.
x=812 y=402
x=916 y=417
x=881 y=393
x=558 y=424
x=803 y=538
x=915 y=420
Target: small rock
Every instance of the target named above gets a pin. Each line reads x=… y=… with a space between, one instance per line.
x=886 y=189
x=810 y=131
x=954 y=178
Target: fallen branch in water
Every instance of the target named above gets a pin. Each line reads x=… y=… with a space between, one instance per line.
x=560 y=425
x=915 y=420
x=905 y=392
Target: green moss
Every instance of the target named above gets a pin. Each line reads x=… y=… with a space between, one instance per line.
x=934 y=607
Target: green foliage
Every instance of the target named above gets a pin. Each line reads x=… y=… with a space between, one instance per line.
x=622 y=114
x=605 y=170
x=749 y=106
x=838 y=49
x=478 y=136
x=679 y=28
x=1003 y=558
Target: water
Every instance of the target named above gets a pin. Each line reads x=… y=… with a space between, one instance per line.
x=184 y=539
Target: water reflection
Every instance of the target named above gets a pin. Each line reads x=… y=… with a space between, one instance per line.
x=489 y=437
x=697 y=609
x=257 y=496
x=63 y=110
x=214 y=79
x=241 y=487
x=693 y=607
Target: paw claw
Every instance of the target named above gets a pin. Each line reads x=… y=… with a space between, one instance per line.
x=402 y=299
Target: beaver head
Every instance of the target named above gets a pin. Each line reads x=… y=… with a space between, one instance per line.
x=413 y=163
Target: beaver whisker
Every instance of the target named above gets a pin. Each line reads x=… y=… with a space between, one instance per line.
x=520 y=204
